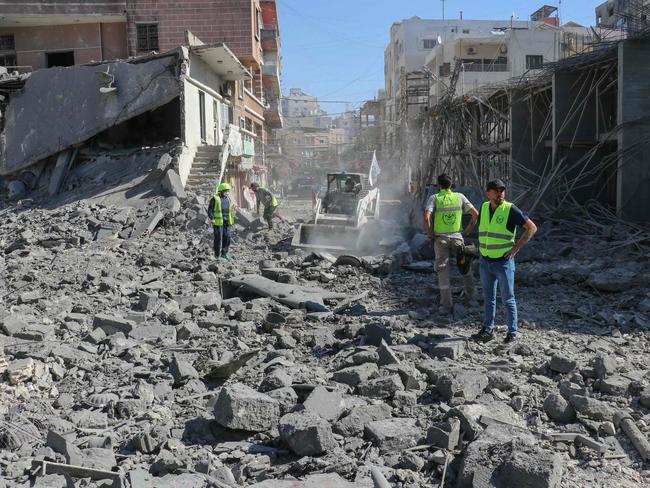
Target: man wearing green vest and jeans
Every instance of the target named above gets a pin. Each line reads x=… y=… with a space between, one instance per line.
x=265 y=198
x=220 y=213
x=498 y=222
x=444 y=229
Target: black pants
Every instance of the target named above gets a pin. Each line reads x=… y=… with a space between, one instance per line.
x=221 y=240
x=269 y=212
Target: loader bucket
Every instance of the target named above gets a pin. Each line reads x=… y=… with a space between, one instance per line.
x=322 y=237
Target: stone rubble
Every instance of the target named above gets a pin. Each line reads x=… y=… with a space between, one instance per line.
x=132 y=357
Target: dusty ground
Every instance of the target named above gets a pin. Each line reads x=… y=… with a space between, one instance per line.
x=126 y=355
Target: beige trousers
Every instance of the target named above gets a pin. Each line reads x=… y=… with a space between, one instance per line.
x=444 y=248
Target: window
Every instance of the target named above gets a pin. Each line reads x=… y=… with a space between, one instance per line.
x=258 y=22
x=534 y=61
x=240 y=89
x=465 y=31
x=7 y=60
x=7 y=42
x=445 y=69
x=147 y=37
x=65 y=58
x=429 y=43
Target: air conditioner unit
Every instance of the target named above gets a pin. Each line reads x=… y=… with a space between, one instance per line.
x=503 y=49
x=471 y=50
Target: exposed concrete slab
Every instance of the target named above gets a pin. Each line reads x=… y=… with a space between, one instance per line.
x=34 y=128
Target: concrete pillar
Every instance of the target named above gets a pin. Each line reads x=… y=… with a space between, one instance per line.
x=633 y=172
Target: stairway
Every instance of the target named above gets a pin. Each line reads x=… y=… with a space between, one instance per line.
x=205 y=170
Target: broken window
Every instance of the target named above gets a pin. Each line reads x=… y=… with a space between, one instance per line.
x=445 y=69
x=534 y=61
x=65 y=58
x=7 y=42
x=147 y=37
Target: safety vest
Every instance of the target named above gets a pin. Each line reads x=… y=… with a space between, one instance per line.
x=448 y=212
x=494 y=238
x=217 y=213
x=274 y=201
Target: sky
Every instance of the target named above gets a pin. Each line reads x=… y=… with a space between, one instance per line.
x=334 y=49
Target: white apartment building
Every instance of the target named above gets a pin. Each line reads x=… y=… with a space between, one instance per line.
x=491 y=57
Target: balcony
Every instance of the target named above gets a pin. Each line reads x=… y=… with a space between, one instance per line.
x=270 y=38
x=486 y=68
x=273 y=113
x=31 y=13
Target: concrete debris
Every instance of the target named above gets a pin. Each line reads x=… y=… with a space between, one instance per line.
x=139 y=357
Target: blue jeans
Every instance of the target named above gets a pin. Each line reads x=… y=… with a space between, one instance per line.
x=221 y=240
x=503 y=274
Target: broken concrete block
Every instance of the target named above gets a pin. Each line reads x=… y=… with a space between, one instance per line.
x=394 y=434
x=614 y=385
x=375 y=333
x=470 y=415
x=386 y=354
x=449 y=348
x=240 y=407
x=60 y=444
x=209 y=301
x=444 y=434
x=604 y=365
x=355 y=375
x=111 y=324
x=306 y=434
x=16 y=325
x=286 y=397
x=147 y=225
x=461 y=385
x=278 y=378
x=592 y=408
x=562 y=364
x=383 y=387
x=536 y=469
x=354 y=423
x=558 y=409
x=173 y=204
x=182 y=370
x=324 y=403
x=172 y=183
x=20 y=371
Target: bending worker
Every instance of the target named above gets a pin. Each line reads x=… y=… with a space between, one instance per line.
x=498 y=222
x=270 y=203
x=220 y=213
x=444 y=229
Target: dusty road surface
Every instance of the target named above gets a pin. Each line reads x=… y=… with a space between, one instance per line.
x=132 y=354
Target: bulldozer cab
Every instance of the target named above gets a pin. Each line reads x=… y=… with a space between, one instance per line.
x=343 y=193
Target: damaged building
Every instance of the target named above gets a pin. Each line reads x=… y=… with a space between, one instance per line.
x=38 y=35
x=178 y=97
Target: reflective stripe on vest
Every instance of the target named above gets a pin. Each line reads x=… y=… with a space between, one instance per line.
x=217 y=214
x=274 y=201
x=494 y=238
x=448 y=214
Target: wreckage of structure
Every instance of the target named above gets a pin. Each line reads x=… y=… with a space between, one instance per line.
x=53 y=120
x=577 y=130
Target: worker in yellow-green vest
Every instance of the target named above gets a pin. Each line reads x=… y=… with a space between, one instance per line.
x=498 y=222
x=443 y=217
x=220 y=211
x=265 y=198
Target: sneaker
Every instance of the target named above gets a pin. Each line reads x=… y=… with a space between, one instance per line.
x=483 y=336
x=510 y=338
x=226 y=256
x=445 y=310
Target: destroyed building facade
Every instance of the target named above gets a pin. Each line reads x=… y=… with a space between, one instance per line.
x=38 y=35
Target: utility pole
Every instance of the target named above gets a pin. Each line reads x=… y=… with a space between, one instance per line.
x=443 y=9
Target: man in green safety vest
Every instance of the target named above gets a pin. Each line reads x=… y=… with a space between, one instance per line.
x=444 y=229
x=498 y=222
x=220 y=212
x=265 y=198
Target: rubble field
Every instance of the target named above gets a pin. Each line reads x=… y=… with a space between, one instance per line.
x=132 y=357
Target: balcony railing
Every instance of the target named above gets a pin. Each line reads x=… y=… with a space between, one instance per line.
x=485 y=68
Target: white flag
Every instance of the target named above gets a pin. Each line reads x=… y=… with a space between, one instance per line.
x=375 y=170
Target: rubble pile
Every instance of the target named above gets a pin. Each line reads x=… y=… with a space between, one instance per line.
x=132 y=357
